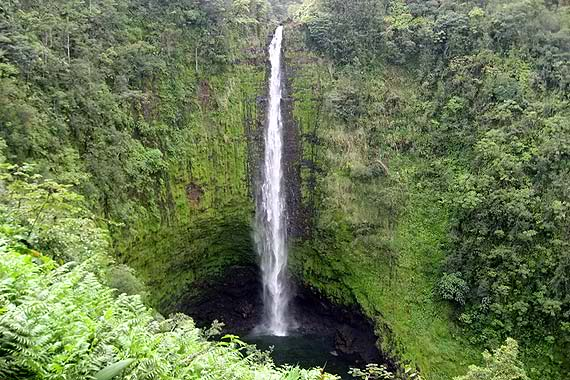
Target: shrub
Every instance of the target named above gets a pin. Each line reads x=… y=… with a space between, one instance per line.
x=501 y=365
x=453 y=288
x=60 y=322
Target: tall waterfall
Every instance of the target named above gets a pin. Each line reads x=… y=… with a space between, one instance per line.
x=271 y=208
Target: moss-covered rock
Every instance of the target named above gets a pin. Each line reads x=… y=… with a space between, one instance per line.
x=206 y=204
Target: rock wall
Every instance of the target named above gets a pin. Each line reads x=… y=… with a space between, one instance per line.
x=206 y=206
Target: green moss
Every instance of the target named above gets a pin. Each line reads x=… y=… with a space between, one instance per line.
x=395 y=285
x=174 y=259
x=205 y=205
x=403 y=293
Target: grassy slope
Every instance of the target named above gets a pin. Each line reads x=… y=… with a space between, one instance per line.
x=404 y=296
x=399 y=294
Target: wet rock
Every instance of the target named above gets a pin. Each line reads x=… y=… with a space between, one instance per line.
x=234 y=300
x=356 y=344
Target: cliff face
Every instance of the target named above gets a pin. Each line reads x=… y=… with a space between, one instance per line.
x=206 y=223
x=208 y=198
x=149 y=110
x=293 y=152
x=371 y=240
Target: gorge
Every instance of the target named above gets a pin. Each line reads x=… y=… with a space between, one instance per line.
x=300 y=326
x=352 y=182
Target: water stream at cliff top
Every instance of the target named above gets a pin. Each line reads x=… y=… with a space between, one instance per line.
x=271 y=208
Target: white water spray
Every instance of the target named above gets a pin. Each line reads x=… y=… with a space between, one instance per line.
x=271 y=208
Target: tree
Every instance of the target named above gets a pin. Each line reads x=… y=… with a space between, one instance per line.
x=501 y=365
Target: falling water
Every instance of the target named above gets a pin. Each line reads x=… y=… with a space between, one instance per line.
x=271 y=208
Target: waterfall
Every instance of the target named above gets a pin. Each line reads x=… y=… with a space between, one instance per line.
x=271 y=208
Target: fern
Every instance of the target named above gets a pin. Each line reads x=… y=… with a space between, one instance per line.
x=60 y=322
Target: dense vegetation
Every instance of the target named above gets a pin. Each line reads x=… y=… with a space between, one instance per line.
x=444 y=156
x=76 y=321
x=139 y=107
x=435 y=175
x=142 y=106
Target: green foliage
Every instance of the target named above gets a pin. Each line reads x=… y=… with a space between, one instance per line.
x=146 y=110
x=453 y=288
x=435 y=168
x=108 y=97
x=478 y=90
x=124 y=280
x=372 y=372
x=346 y=31
x=113 y=370
x=503 y=364
x=49 y=216
x=380 y=372
x=379 y=225
x=61 y=322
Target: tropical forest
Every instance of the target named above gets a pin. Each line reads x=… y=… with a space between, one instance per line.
x=284 y=189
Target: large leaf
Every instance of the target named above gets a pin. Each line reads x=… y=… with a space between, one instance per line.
x=113 y=370
x=294 y=374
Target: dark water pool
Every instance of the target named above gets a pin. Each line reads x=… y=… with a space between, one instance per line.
x=304 y=351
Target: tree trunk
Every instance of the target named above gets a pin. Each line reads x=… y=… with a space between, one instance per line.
x=196 y=58
x=68 y=49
